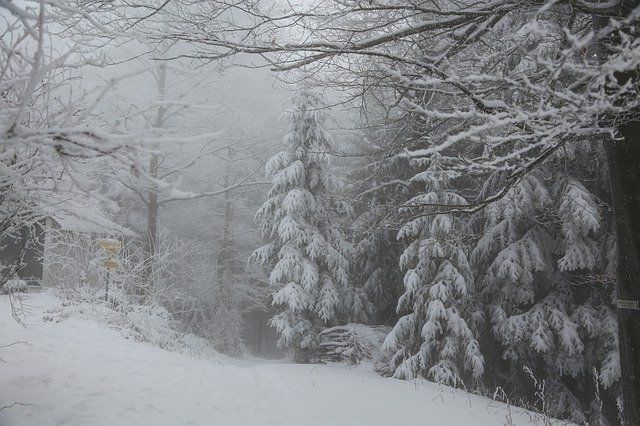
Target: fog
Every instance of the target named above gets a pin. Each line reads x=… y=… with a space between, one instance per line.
x=320 y=212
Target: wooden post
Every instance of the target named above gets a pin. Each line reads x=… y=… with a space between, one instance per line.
x=106 y=288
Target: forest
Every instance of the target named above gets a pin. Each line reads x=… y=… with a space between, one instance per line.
x=349 y=200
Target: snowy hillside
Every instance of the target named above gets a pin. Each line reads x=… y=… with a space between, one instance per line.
x=78 y=372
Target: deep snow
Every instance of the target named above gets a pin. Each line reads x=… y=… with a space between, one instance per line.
x=79 y=372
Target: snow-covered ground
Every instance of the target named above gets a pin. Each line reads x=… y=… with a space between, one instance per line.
x=79 y=372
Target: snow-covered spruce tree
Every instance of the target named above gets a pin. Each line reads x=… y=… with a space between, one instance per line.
x=307 y=252
x=375 y=271
x=542 y=264
x=435 y=338
x=380 y=189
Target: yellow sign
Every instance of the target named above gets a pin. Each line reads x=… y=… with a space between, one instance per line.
x=111 y=264
x=110 y=245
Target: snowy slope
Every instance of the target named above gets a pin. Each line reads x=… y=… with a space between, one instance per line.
x=77 y=372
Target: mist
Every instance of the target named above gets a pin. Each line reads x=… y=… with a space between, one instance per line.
x=321 y=212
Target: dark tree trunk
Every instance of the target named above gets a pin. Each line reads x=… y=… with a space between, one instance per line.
x=623 y=157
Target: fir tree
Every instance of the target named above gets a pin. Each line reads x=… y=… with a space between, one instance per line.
x=307 y=252
x=433 y=337
x=542 y=248
x=380 y=189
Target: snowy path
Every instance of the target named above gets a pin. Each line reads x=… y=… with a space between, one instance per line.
x=78 y=372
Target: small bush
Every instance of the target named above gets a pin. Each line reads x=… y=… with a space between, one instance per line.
x=14 y=285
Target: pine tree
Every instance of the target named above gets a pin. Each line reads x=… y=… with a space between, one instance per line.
x=433 y=338
x=307 y=252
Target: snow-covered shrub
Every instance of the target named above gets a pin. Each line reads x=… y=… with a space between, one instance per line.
x=78 y=276
x=13 y=285
x=144 y=323
x=208 y=298
x=182 y=298
x=153 y=324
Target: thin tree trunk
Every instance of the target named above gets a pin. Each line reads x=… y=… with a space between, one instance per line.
x=224 y=256
x=152 y=201
x=152 y=224
x=225 y=302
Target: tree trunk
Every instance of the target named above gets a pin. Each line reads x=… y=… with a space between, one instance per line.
x=227 y=313
x=152 y=201
x=623 y=157
x=225 y=249
x=151 y=240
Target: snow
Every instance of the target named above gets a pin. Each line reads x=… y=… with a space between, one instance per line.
x=79 y=218
x=78 y=372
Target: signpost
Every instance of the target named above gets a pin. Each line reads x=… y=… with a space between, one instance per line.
x=112 y=247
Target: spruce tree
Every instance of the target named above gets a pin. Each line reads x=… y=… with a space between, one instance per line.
x=307 y=252
x=379 y=189
x=434 y=338
x=544 y=248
